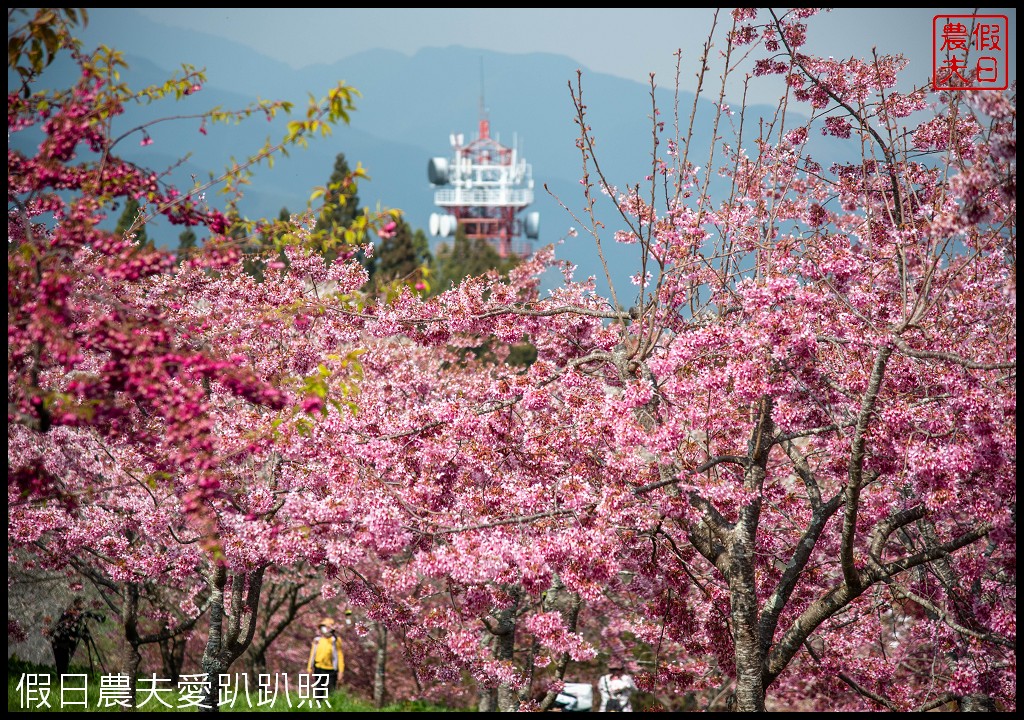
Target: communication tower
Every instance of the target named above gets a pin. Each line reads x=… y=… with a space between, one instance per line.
x=484 y=187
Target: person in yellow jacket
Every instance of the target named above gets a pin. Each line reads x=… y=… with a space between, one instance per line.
x=326 y=657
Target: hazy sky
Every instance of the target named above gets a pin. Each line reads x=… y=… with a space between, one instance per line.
x=629 y=43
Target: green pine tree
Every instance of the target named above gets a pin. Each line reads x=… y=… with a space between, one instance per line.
x=341 y=207
x=421 y=245
x=186 y=244
x=128 y=217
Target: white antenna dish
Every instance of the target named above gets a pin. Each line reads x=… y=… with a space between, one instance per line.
x=533 y=225
x=437 y=171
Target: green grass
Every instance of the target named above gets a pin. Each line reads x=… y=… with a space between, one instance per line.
x=26 y=683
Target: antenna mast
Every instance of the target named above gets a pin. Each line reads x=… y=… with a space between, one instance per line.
x=484 y=189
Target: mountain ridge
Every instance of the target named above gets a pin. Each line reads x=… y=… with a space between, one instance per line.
x=407 y=106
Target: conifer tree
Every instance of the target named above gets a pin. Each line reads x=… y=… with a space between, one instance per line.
x=341 y=207
x=186 y=243
x=127 y=220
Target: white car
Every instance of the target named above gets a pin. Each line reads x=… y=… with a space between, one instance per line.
x=576 y=697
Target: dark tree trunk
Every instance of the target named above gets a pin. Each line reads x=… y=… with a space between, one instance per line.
x=130 y=623
x=230 y=634
x=258 y=663
x=504 y=649
x=172 y=656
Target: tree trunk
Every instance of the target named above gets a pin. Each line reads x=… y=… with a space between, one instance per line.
x=749 y=667
x=380 y=667
x=130 y=624
x=226 y=644
x=487 y=697
x=172 y=656
x=258 y=663
x=570 y=603
x=211 y=663
x=504 y=649
x=488 y=700
x=977 y=703
x=744 y=609
x=132 y=662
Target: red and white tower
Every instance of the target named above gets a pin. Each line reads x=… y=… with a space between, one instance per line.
x=484 y=188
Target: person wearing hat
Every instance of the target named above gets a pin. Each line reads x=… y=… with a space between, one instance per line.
x=325 y=657
x=616 y=688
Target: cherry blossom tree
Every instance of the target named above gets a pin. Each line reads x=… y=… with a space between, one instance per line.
x=780 y=473
x=788 y=467
x=80 y=353
x=102 y=355
x=820 y=371
x=112 y=531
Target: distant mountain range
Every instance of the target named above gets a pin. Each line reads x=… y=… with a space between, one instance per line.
x=408 y=107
